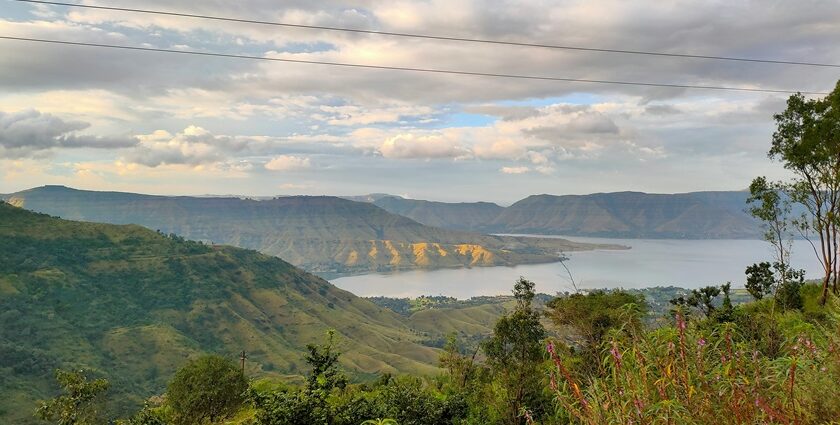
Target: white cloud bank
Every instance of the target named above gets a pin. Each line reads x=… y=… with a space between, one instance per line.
x=288 y=163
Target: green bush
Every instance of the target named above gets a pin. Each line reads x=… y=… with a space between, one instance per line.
x=206 y=389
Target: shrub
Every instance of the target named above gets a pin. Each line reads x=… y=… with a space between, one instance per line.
x=208 y=388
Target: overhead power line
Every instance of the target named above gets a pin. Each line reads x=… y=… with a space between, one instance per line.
x=436 y=37
x=403 y=68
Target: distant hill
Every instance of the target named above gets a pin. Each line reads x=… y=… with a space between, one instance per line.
x=472 y=216
x=371 y=197
x=699 y=215
x=134 y=305
x=318 y=233
x=695 y=215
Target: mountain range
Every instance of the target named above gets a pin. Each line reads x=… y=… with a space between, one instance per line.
x=318 y=233
x=133 y=305
x=694 y=215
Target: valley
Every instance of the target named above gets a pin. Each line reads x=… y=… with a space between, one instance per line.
x=133 y=305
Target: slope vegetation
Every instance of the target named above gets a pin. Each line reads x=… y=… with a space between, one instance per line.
x=133 y=305
x=317 y=233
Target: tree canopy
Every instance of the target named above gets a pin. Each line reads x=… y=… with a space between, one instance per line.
x=208 y=388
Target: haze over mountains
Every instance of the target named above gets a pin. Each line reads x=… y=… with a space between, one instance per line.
x=318 y=233
x=695 y=215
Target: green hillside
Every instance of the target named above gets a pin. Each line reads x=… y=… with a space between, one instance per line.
x=318 y=233
x=133 y=305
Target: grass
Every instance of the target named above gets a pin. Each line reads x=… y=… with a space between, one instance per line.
x=699 y=372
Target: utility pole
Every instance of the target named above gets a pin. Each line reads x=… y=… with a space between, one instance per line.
x=242 y=358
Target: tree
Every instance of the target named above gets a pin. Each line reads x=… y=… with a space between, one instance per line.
x=310 y=404
x=594 y=314
x=323 y=359
x=460 y=368
x=146 y=416
x=784 y=282
x=515 y=352
x=81 y=402
x=788 y=295
x=769 y=204
x=206 y=389
x=700 y=299
x=760 y=280
x=727 y=311
x=807 y=142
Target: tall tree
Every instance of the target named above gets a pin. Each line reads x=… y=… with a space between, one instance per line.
x=515 y=354
x=807 y=142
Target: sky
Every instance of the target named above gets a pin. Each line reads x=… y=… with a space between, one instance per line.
x=104 y=119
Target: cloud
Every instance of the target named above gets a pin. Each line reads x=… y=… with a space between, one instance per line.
x=423 y=146
x=557 y=123
x=288 y=163
x=514 y=170
x=748 y=29
x=26 y=132
x=192 y=146
x=350 y=115
x=661 y=109
x=499 y=147
x=224 y=117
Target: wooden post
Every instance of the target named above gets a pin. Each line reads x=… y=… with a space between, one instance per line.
x=242 y=358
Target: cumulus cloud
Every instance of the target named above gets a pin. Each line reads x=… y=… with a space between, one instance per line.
x=425 y=147
x=192 y=146
x=366 y=119
x=514 y=170
x=26 y=132
x=539 y=136
x=288 y=163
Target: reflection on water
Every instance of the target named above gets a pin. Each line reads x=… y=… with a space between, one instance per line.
x=650 y=262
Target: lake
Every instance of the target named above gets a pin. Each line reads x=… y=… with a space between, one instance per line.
x=649 y=262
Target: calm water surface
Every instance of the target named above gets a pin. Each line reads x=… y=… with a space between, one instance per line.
x=649 y=262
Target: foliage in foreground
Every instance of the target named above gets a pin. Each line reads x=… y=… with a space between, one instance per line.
x=206 y=389
x=81 y=403
x=711 y=373
x=760 y=363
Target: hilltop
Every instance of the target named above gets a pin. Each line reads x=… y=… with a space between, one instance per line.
x=694 y=215
x=134 y=305
x=318 y=233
